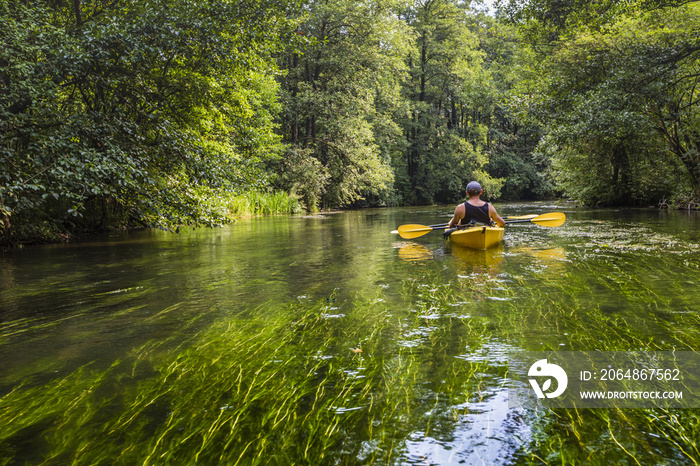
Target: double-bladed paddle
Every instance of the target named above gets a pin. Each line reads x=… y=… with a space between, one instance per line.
x=552 y=219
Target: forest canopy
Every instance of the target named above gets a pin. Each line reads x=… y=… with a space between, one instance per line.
x=156 y=112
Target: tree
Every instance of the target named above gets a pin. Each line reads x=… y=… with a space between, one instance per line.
x=340 y=94
x=444 y=135
x=621 y=107
x=669 y=82
x=509 y=66
x=135 y=110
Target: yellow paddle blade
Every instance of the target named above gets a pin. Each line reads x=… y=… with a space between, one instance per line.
x=552 y=219
x=413 y=231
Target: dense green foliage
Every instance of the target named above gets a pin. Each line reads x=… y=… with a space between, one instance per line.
x=140 y=113
x=594 y=100
x=445 y=136
x=135 y=112
x=616 y=96
x=339 y=95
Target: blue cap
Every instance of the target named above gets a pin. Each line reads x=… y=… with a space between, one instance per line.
x=473 y=187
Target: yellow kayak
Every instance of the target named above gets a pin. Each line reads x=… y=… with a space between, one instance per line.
x=478 y=237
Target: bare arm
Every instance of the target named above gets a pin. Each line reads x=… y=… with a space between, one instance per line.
x=494 y=215
x=459 y=215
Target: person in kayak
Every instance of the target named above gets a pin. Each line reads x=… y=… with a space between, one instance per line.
x=475 y=210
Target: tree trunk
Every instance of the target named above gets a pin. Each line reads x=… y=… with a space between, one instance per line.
x=454 y=113
x=6 y=229
x=621 y=175
x=423 y=60
x=78 y=12
x=295 y=90
x=307 y=136
x=687 y=149
x=691 y=159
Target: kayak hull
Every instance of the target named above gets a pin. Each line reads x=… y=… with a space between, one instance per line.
x=479 y=237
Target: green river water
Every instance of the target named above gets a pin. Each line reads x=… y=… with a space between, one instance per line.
x=324 y=339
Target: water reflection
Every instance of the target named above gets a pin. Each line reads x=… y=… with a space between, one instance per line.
x=486 y=259
x=410 y=251
x=549 y=256
x=487 y=433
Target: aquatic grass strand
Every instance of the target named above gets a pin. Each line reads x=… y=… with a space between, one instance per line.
x=405 y=362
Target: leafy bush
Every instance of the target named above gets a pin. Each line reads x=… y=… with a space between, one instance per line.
x=133 y=110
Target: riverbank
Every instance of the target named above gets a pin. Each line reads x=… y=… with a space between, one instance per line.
x=103 y=216
x=225 y=209
x=680 y=204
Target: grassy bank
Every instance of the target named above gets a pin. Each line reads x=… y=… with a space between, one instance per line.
x=57 y=222
x=255 y=203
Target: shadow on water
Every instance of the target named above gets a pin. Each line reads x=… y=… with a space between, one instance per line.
x=323 y=339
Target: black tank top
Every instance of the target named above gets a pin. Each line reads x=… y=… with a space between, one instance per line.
x=479 y=214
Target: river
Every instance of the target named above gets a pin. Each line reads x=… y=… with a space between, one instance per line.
x=325 y=339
